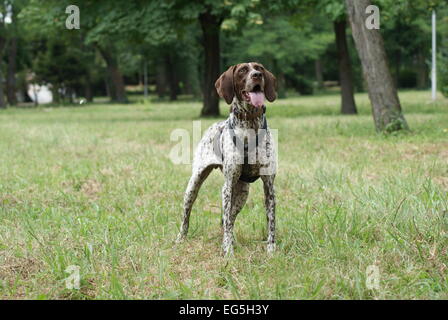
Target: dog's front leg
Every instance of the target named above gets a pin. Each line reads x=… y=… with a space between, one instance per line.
x=269 y=194
x=231 y=178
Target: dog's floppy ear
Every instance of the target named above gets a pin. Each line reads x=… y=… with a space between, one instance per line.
x=270 y=86
x=224 y=85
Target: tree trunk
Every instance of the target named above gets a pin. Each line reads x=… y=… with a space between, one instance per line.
x=383 y=95
x=160 y=79
x=88 y=93
x=109 y=91
x=348 y=105
x=281 y=81
x=318 y=68
x=172 y=77
x=145 y=78
x=117 y=89
x=2 y=96
x=211 y=25
x=11 y=76
x=56 y=95
x=70 y=95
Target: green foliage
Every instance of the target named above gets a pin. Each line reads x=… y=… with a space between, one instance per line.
x=281 y=46
x=286 y=35
x=59 y=64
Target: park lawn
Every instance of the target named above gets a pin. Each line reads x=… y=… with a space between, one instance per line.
x=93 y=186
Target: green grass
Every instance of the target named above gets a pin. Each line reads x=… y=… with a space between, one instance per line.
x=93 y=186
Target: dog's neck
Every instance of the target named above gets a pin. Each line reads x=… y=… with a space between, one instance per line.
x=245 y=115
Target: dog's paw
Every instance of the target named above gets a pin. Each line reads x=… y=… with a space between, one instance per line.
x=180 y=238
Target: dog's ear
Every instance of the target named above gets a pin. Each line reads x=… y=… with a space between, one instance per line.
x=224 y=85
x=270 y=86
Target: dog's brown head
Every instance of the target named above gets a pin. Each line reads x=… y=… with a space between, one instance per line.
x=249 y=82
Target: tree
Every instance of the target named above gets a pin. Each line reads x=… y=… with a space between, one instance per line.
x=211 y=25
x=12 y=54
x=406 y=28
x=383 y=95
x=336 y=11
x=212 y=15
x=61 y=66
x=5 y=11
x=348 y=105
x=110 y=56
x=47 y=20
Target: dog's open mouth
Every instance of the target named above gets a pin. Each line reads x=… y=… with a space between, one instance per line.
x=255 y=97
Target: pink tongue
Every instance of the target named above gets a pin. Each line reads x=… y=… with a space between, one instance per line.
x=256 y=98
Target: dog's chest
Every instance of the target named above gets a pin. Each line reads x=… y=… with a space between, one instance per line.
x=249 y=140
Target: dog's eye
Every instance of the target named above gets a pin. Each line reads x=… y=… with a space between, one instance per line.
x=243 y=70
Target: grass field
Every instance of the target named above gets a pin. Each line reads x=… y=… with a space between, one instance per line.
x=94 y=187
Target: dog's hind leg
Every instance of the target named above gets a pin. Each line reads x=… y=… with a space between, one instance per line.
x=196 y=180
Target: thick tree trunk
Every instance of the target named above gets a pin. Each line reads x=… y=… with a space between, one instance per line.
x=383 y=95
x=117 y=83
x=109 y=91
x=318 y=69
x=11 y=76
x=116 y=88
x=211 y=25
x=160 y=80
x=348 y=105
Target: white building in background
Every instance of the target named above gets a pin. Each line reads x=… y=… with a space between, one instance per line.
x=41 y=93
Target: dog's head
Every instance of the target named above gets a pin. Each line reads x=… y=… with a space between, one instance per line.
x=249 y=83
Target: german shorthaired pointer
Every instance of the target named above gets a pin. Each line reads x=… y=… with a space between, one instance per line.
x=241 y=146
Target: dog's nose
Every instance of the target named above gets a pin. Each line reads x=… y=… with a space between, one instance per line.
x=256 y=75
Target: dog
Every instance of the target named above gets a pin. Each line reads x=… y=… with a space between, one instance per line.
x=241 y=146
